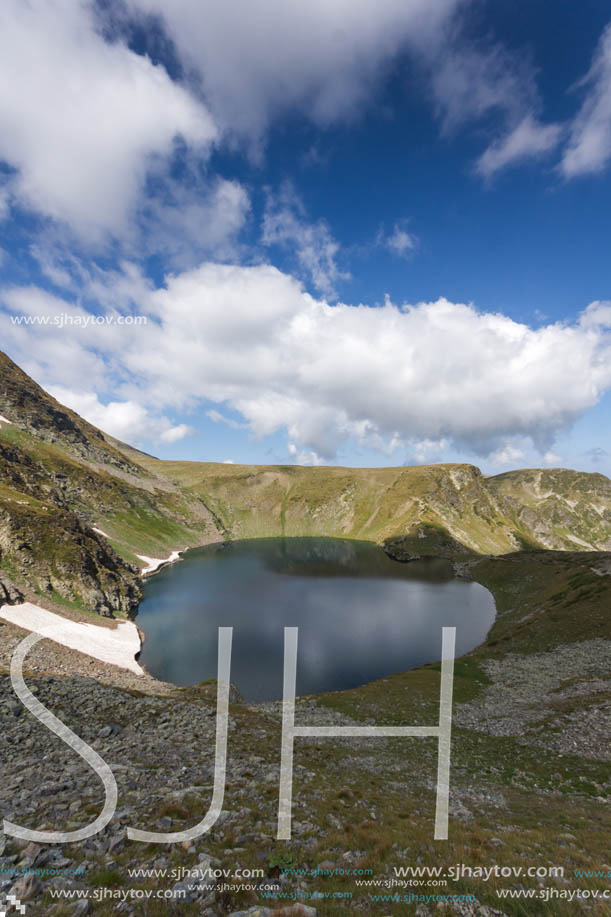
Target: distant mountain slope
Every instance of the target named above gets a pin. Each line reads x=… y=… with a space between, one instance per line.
x=60 y=478
x=434 y=508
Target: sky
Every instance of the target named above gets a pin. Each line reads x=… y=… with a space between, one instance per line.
x=340 y=232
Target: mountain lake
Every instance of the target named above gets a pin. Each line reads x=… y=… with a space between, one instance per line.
x=361 y=616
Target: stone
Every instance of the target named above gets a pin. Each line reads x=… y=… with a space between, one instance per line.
x=81 y=908
x=27 y=887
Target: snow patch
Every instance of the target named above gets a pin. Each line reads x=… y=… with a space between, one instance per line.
x=4 y=420
x=99 y=531
x=118 y=646
x=153 y=563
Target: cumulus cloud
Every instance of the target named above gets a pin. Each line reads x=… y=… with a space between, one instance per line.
x=529 y=139
x=589 y=146
x=285 y=224
x=252 y=341
x=81 y=119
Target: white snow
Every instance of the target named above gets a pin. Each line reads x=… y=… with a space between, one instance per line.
x=99 y=531
x=117 y=646
x=153 y=563
x=4 y=420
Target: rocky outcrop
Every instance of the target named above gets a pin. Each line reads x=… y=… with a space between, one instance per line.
x=9 y=594
x=425 y=541
x=53 y=553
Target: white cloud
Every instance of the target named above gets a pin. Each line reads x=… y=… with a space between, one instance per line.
x=509 y=454
x=263 y=58
x=529 y=139
x=303 y=456
x=122 y=419
x=589 y=146
x=217 y=417
x=400 y=242
x=473 y=82
x=85 y=121
x=188 y=220
x=174 y=434
x=285 y=224
x=81 y=119
x=125 y=420
x=550 y=458
x=425 y=450
x=251 y=339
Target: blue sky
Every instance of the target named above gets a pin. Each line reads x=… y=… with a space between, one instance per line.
x=359 y=233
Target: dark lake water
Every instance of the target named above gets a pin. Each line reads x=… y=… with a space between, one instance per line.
x=361 y=616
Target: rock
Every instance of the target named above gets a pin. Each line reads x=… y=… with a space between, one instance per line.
x=182 y=893
x=81 y=908
x=296 y=910
x=30 y=854
x=254 y=912
x=9 y=594
x=27 y=887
